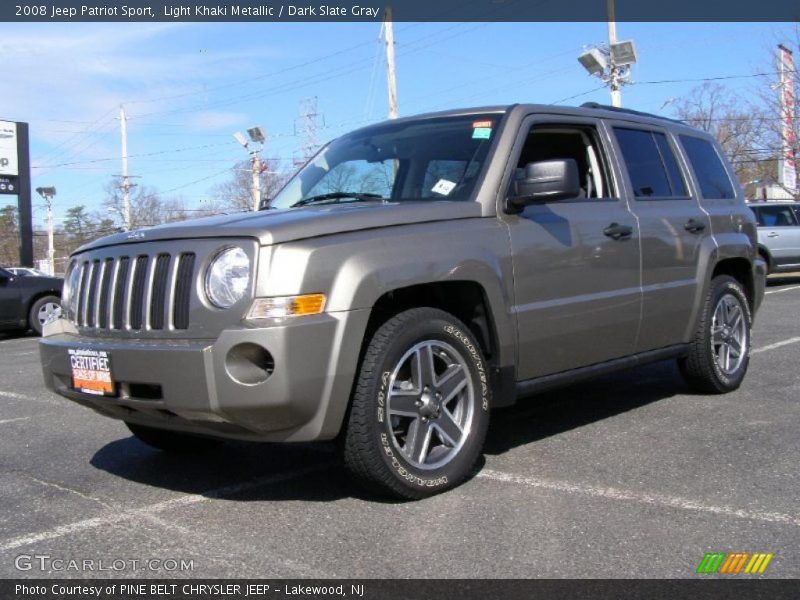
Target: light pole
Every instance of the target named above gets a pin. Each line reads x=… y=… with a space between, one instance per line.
x=48 y=193
x=611 y=63
x=257 y=137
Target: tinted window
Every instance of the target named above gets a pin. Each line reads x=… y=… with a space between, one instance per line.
x=708 y=168
x=652 y=167
x=775 y=216
x=673 y=170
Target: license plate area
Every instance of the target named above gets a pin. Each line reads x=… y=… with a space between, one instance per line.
x=91 y=371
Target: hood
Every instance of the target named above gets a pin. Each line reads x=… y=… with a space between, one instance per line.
x=287 y=225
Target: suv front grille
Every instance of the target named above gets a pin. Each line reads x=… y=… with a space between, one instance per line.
x=135 y=292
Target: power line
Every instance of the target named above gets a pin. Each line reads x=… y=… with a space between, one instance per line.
x=704 y=79
x=97 y=160
x=586 y=93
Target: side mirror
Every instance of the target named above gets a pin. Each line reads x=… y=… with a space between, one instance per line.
x=545 y=181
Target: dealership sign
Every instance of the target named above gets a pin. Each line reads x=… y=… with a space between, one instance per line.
x=8 y=148
x=787 y=173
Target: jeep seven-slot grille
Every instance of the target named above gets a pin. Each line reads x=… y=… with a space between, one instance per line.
x=135 y=292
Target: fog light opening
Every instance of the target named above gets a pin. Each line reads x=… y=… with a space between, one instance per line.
x=249 y=364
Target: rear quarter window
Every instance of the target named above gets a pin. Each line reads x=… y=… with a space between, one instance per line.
x=715 y=184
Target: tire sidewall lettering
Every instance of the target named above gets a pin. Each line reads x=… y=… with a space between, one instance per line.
x=401 y=469
x=739 y=294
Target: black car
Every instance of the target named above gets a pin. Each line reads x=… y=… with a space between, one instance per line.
x=28 y=302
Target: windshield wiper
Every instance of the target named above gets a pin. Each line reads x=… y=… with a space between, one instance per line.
x=337 y=196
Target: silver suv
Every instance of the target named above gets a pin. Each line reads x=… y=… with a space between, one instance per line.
x=411 y=277
x=778 y=234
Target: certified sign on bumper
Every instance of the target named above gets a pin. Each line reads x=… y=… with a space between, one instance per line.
x=91 y=371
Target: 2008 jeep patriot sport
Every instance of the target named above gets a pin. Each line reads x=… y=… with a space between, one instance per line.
x=414 y=275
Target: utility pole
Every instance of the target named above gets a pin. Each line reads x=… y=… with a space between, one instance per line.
x=388 y=32
x=258 y=137
x=126 y=183
x=612 y=63
x=614 y=83
x=256 y=180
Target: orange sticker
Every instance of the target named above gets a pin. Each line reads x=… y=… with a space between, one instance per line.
x=476 y=124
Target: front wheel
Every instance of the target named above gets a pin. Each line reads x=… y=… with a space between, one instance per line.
x=720 y=351
x=420 y=408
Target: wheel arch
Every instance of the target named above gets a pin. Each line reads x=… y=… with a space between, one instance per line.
x=469 y=301
x=741 y=270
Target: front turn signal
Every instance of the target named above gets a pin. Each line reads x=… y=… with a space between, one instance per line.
x=286 y=306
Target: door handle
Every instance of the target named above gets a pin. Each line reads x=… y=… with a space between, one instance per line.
x=693 y=226
x=773 y=234
x=618 y=232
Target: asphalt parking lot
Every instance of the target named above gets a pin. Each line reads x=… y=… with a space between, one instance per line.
x=629 y=475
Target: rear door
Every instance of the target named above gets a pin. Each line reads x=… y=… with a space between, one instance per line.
x=672 y=227
x=576 y=261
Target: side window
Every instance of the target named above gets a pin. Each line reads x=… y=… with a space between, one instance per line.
x=776 y=216
x=580 y=143
x=757 y=214
x=708 y=168
x=652 y=167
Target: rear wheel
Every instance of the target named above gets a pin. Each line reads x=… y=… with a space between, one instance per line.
x=720 y=352
x=420 y=408
x=171 y=441
x=42 y=311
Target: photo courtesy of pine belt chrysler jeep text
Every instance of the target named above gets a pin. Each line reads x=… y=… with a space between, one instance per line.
x=412 y=276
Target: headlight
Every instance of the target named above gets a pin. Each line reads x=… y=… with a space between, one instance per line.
x=69 y=297
x=227 y=277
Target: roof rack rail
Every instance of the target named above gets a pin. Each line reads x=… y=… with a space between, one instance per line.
x=629 y=111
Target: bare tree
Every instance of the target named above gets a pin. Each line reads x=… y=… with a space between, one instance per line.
x=738 y=125
x=777 y=136
x=147 y=206
x=237 y=192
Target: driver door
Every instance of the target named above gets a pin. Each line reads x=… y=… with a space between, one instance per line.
x=576 y=286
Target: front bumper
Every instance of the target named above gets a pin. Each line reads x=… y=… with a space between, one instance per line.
x=187 y=385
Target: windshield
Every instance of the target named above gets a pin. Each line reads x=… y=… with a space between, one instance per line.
x=434 y=159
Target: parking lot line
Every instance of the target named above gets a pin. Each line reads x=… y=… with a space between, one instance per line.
x=786 y=289
x=640 y=497
x=14 y=395
x=3 y=422
x=780 y=344
x=149 y=510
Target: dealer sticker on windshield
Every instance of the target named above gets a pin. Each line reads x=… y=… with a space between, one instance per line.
x=443 y=187
x=91 y=371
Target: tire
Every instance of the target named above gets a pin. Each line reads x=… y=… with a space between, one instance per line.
x=44 y=308
x=413 y=431
x=726 y=311
x=171 y=441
